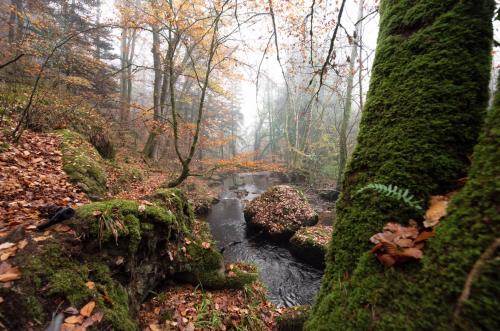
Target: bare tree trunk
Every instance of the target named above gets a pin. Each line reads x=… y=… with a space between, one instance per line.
x=124 y=109
x=348 y=100
x=151 y=150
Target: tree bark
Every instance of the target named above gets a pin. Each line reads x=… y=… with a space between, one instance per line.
x=151 y=149
x=422 y=117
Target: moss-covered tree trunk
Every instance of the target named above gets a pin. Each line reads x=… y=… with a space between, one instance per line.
x=427 y=98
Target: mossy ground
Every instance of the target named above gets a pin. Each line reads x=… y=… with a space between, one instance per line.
x=53 y=278
x=83 y=164
x=426 y=102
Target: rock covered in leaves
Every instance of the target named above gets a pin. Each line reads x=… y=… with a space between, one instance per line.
x=280 y=212
x=310 y=243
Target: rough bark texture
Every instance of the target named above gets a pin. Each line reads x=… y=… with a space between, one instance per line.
x=426 y=103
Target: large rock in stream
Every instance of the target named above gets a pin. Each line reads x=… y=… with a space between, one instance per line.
x=114 y=254
x=280 y=212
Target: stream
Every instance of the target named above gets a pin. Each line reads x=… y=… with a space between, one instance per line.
x=289 y=281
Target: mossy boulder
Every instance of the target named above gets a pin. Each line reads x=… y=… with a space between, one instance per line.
x=310 y=244
x=54 y=276
x=279 y=212
x=83 y=164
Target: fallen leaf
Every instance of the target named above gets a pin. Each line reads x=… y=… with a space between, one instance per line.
x=90 y=285
x=71 y=311
x=10 y=275
x=87 y=309
x=41 y=238
x=205 y=245
x=386 y=259
x=436 y=211
x=411 y=252
x=424 y=235
x=141 y=208
x=75 y=319
x=6 y=245
x=154 y=327
x=23 y=243
x=231 y=274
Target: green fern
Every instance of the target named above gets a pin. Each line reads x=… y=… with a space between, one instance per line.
x=395 y=192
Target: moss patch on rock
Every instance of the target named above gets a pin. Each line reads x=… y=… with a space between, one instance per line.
x=83 y=164
x=279 y=212
x=310 y=244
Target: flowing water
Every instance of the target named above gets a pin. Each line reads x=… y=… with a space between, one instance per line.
x=289 y=281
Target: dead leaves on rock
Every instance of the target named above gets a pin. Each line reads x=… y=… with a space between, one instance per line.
x=398 y=243
x=279 y=210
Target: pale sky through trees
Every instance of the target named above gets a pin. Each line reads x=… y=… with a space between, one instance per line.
x=250 y=53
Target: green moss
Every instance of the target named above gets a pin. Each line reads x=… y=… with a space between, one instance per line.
x=173 y=199
x=293 y=319
x=83 y=164
x=52 y=275
x=426 y=102
x=127 y=218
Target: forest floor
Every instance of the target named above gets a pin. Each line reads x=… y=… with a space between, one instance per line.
x=32 y=179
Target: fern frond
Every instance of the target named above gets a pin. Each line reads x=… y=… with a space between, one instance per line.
x=394 y=192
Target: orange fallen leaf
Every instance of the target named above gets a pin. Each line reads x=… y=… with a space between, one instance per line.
x=10 y=274
x=41 y=238
x=424 y=235
x=75 y=319
x=386 y=259
x=411 y=252
x=205 y=245
x=23 y=243
x=87 y=309
x=437 y=210
x=90 y=285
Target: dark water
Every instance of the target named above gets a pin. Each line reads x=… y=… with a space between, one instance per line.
x=289 y=281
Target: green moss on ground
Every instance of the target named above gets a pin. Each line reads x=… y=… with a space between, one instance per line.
x=83 y=164
x=426 y=102
x=52 y=276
